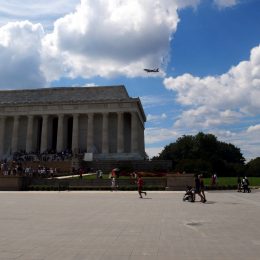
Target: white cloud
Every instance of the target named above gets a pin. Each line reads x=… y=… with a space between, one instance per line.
x=224 y=99
x=20 y=48
x=156 y=118
x=225 y=3
x=254 y=129
x=212 y=103
x=153 y=151
x=205 y=117
x=90 y=85
x=247 y=140
x=125 y=37
x=96 y=38
x=155 y=101
x=188 y=3
x=40 y=11
x=157 y=134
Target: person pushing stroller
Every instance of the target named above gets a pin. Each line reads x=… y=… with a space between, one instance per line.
x=245 y=185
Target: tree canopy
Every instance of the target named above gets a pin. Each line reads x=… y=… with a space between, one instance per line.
x=253 y=167
x=204 y=153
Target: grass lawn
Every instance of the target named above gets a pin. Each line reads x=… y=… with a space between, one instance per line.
x=224 y=181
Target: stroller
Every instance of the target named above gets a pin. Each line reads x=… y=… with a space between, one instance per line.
x=189 y=194
x=245 y=185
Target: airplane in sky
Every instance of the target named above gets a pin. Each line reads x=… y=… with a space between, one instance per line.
x=151 y=70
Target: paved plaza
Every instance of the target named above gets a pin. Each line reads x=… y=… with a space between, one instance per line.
x=103 y=225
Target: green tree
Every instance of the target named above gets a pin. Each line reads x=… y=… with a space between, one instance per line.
x=204 y=153
x=253 y=167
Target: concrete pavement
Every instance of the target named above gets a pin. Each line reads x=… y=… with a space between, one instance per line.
x=104 y=225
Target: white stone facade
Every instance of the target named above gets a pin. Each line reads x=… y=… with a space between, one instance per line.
x=104 y=121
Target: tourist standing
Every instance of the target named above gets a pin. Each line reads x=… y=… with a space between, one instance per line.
x=140 y=184
x=113 y=184
x=133 y=177
x=80 y=173
x=239 y=189
x=214 y=180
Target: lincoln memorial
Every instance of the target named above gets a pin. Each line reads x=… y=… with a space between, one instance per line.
x=102 y=121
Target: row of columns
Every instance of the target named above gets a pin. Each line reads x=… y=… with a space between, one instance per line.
x=75 y=133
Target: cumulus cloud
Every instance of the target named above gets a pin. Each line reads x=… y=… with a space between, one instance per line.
x=111 y=37
x=224 y=99
x=205 y=117
x=95 y=38
x=247 y=140
x=20 y=48
x=212 y=103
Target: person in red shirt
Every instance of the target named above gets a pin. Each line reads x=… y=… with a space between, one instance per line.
x=140 y=184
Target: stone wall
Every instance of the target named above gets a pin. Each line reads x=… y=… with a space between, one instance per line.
x=130 y=165
x=179 y=181
x=14 y=183
x=97 y=183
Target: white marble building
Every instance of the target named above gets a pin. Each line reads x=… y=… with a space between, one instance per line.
x=104 y=121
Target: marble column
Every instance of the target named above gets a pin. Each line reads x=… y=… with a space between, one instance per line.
x=134 y=133
x=90 y=134
x=120 y=132
x=105 y=134
x=2 y=135
x=142 y=139
x=75 y=134
x=15 y=134
x=60 y=133
x=29 y=136
x=44 y=137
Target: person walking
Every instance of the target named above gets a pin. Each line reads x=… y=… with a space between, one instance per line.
x=202 y=188
x=198 y=188
x=140 y=184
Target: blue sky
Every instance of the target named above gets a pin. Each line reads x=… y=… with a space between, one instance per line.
x=208 y=53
